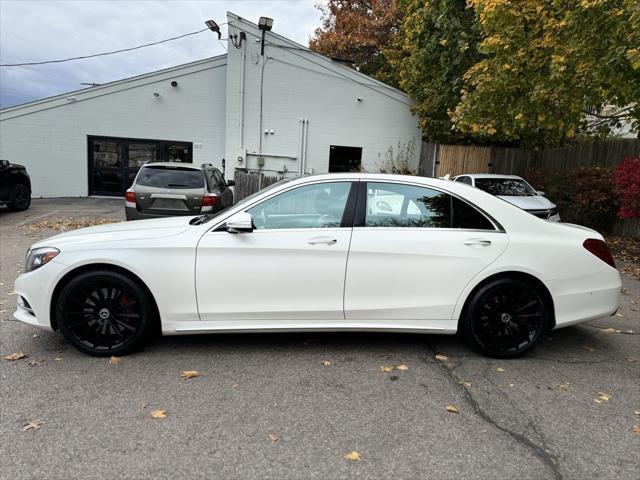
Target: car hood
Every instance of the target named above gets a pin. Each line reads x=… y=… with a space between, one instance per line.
x=139 y=229
x=536 y=202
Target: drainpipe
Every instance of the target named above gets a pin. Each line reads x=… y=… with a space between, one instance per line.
x=242 y=61
x=305 y=123
x=300 y=133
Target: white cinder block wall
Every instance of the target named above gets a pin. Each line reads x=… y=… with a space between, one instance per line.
x=49 y=137
x=298 y=83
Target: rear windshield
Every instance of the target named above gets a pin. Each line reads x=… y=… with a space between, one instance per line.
x=510 y=187
x=169 y=177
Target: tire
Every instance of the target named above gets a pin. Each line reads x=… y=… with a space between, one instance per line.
x=20 y=198
x=104 y=313
x=506 y=318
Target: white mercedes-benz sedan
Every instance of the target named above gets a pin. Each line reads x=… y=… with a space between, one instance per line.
x=330 y=252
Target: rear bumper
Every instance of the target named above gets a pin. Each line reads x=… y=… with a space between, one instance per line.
x=587 y=298
x=132 y=213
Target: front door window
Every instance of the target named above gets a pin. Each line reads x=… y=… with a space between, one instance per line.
x=313 y=206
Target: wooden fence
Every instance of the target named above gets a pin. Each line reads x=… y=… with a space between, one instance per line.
x=248 y=183
x=458 y=159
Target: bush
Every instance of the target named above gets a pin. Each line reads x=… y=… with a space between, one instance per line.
x=584 y=195
x=626 y=184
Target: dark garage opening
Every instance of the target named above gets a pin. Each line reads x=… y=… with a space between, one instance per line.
x=114 y=162
x=344 y=159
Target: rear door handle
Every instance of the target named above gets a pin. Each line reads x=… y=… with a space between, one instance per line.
x=477 y=242
x=323 y=241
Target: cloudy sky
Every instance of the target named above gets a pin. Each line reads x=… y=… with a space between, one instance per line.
x=53 y=29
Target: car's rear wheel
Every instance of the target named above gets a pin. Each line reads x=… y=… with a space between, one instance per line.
x=505 y=318
x=20 y=198
x=105 y=313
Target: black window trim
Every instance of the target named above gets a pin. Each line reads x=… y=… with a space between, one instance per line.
x=361 y=208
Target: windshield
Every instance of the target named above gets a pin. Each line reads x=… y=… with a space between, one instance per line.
x=509 y=187
x=170 y=177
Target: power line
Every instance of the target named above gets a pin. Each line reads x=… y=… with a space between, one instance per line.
x=106 y=53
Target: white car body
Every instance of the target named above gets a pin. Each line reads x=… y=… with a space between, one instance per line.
x=536 y=204
x=205 y=279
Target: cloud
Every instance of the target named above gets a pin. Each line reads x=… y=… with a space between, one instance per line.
x=53 y=29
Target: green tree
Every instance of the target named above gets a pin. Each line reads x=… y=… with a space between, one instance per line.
x=435 y=47
x=544 y=63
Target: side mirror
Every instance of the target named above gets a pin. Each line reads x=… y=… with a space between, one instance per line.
x=241 y=222
x=231 y=183
x=540 y=192
x=4 y=163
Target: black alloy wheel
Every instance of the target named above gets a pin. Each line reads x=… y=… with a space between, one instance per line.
x=104 y=313
x=506 y=318
x=20 y=198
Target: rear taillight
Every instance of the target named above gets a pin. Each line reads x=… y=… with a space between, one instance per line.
x=130 y=196
x=210 y=200
x=599 y=249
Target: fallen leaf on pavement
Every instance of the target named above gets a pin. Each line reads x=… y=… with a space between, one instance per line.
x=273 y=437
x=159 y=414
x=610 y=330
x=588 y=348
x=632 y=359
x=35 y=363
x=636 y=430
x=619 y=314
x=602 y=397
x=142 y=406
x=235 y=385
x=57 y=359
x=16 y=356
x=190 y=374
x=326 y=363
x=637 y=412
x=464 y=383
x=32 y=425
x=352 y=456
x=385 y=368
x=402 y=367
x=442 y=358
x=500 y=370
x=114 y=360
x=564 y=386
x=451 y=409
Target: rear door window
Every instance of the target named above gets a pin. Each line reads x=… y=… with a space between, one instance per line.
x=170 y=178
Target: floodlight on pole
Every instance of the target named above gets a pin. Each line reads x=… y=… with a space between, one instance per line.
x=265 y=24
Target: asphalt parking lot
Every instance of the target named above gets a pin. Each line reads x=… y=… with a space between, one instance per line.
x=266 y=406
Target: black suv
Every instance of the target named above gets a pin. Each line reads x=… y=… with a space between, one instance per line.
x=15 y=186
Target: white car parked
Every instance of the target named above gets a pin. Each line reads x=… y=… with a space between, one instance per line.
x=321 y=253
x=516 y=190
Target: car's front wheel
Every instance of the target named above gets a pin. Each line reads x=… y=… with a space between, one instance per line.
x=105 y=313
x=505 y=318
x=20 y=198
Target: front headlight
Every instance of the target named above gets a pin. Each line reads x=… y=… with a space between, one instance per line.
x=38 y=257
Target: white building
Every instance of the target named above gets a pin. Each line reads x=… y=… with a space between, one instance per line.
x=288 y=111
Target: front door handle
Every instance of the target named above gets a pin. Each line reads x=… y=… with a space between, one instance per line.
x=477 y=242
x=323 y=241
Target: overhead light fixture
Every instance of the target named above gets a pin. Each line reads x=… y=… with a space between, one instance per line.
x=265 y=23
x=213 y=26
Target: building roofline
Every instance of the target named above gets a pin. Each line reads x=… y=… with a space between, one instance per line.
x=340 y=68
x=122 y=81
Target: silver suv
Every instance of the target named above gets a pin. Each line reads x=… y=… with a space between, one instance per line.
x=168 y=189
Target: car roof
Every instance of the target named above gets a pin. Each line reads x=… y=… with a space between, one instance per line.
x=488 y=175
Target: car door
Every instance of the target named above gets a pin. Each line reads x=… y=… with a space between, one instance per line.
x=413 y=250
x=290 y=267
